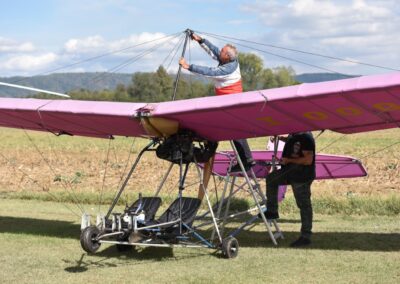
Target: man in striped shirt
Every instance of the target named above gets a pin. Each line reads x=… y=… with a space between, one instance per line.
x=228 y=80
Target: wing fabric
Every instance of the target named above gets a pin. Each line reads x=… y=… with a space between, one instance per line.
x=84 y=118
x=347 y=106
x=327 y=166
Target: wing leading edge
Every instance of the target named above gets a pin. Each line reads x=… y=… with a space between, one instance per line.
x=352 y=105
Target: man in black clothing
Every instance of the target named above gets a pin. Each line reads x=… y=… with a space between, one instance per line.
x=298 y=170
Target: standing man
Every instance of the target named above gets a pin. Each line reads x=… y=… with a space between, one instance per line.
x=298 y=170
x=227 y=80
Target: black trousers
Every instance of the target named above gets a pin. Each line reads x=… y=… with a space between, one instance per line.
x=244 y=150
x=302 y=194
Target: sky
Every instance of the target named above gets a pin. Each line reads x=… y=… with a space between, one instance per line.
x=44 y=36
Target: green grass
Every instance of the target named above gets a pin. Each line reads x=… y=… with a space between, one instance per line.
x=39 y=243
x=349 y=205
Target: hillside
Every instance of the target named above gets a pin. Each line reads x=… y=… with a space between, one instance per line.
x=66 y=82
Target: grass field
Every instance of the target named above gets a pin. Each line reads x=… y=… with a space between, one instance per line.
x=356 y=230
x=33 y=161
x=39 y=243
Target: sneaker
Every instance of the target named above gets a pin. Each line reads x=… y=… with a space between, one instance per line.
x=301 y=242
x=269 y=215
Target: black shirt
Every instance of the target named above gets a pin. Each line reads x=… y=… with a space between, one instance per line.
x=294 y=147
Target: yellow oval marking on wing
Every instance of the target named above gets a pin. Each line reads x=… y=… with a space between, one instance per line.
x=386 y=107
x=315 y=115
x=269 y=120
x=349 y=111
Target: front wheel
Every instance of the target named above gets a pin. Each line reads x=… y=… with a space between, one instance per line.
x=230 y=247
x=88 y=239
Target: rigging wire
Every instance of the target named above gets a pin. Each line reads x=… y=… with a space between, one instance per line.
x=98 y=56
x=129 y=61
x=72 y=195
x=285 y=57
x=305 y=52
x=176 y=51
x=122 y=174
x=105 y=174
x=190 y=73
x=36 y=182
x=172 y=50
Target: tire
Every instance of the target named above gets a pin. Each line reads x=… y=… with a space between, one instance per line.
x=87 y=239
x=230 y=247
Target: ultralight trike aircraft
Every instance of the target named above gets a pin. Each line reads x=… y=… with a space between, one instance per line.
x=187 y=132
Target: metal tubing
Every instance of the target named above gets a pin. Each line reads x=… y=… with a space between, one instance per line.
x=109 y=235
x=155 y=245
x=252 y=193
x=180 y=67
x=127 y=178
x=163 y=180
x=159 y=225
x=208 y=201
x=228 y=204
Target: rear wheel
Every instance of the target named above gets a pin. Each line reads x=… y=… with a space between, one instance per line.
x=88 y=239
x=230 y=247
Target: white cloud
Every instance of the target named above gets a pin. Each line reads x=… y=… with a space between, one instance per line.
x=96 y=44
x=89 y=44
x=28 y=62
x=152 y=50
x=363 y=30
x=8 y=45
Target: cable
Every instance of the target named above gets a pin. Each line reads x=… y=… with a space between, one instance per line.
x=105 y=174
x=96 y=57
x=172 y=50
x=190 y=73
x=128 y=62
x=287 y=58
x=37 y=183
x=73 y=196
x=176 y=51
x=307 y=52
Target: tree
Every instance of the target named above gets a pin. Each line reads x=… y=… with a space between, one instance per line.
x=255 y=77
x=251 y=67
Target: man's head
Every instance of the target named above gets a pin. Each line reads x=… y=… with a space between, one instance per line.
x=228 y=53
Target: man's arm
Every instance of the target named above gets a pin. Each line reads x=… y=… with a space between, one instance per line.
x=219 y=72
x=211 y=49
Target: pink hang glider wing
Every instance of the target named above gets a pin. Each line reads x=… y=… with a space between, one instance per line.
x=327 y=166
x=84 y=118
x=348 y=106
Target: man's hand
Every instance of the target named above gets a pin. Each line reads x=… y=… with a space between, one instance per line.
x=306 y=160
x=196 y=37
x=182 y=62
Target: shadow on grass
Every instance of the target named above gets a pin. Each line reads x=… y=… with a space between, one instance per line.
x=111 y=257
x=362 y=241
x=348 y=241
x=48 y=228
